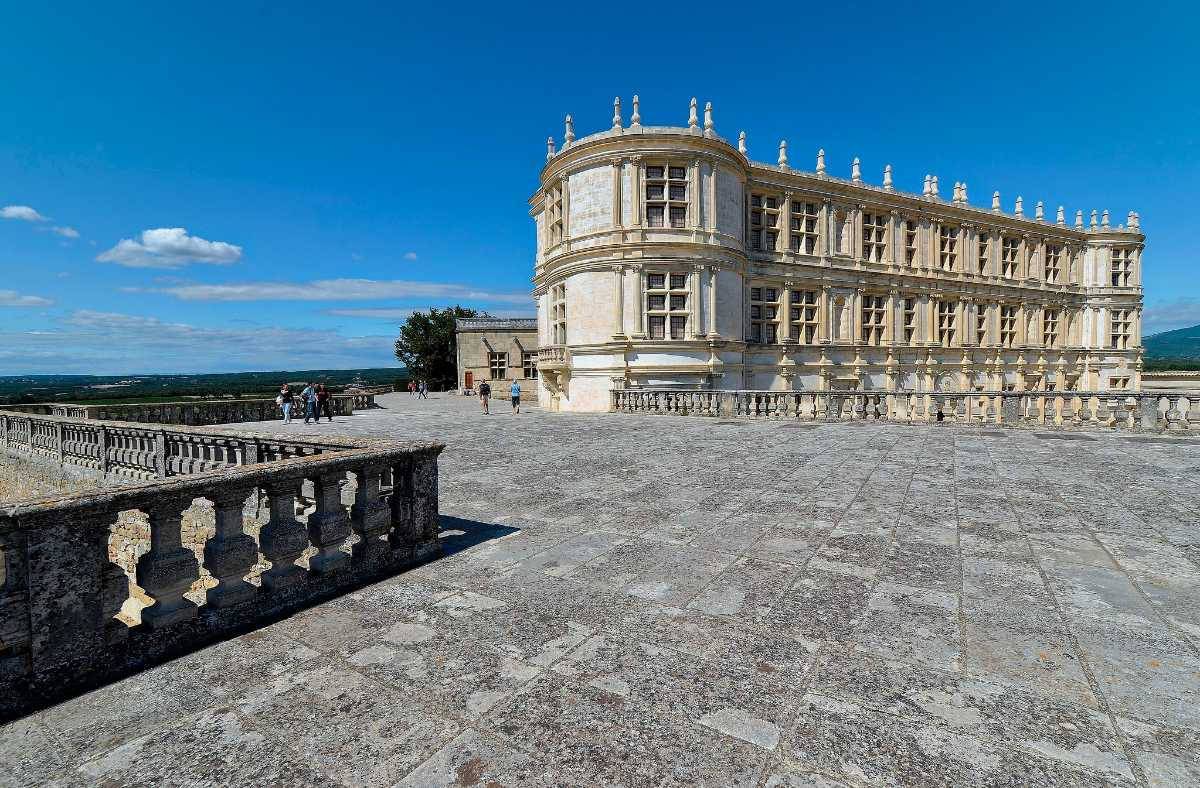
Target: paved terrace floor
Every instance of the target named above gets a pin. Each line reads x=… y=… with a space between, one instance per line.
x=660 y=600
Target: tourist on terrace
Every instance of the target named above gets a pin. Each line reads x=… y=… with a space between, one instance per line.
x=515 y=391
x=323 y=403
x=424 y=388
x=412 y=388
x=310 y=402
x=284 y=401
x=485 y=391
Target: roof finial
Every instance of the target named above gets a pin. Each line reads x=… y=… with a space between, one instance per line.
x=783 y=163
x=1039 y=211
x=933 y=187
x=549 y=148
x=617 y=112
x=996 y=202
x=1104 y=219
x=636 y=118
x=708 y=120
x=856 y=170
x=693 y=121
x=1060 y=218
x=887 y=178
x=957 y=195
x=1020 y=210
x=962 y=193
x=821 y=161
x=742 y=142
x=1079 y=220
x=569 y=134
x=926 y=189
x=1136 y=224
x=1094 y=223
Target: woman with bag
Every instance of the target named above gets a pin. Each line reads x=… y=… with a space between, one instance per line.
x=284 y=401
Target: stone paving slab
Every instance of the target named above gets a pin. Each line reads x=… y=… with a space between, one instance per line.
x=644 y=600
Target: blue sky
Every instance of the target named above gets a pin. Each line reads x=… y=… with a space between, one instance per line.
x=239 y=186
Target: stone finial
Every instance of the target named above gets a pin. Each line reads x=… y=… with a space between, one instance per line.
x=963 y=193
x=1079 y=220
x=636 y=118
x=708 y=119
x=1060 y=218
x=1020 y=209
x=1135 y=220
x=856 y=170
x=549 y=148
x=1104 y=219
x=821 y=161
x=925 y=187
x=693 y=121
x=1129 y=220
x=742 y=142
x=617 y=112
x=1039 y=211
x=569 y=133
x=1094 y=223
x=783 y=161
x=933 y=187
x=887 y=178
x=995 y=202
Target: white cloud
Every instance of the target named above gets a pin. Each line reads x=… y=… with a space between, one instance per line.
x=170 y=247
x=14 y=299
x=22 y=213
x=1170 y=315
x=410 y=255
x=65 y=232
x=337 y=290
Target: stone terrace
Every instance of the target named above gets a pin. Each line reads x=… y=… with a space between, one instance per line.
x=648 y=600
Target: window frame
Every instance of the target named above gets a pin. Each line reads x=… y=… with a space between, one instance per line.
x=667 y=203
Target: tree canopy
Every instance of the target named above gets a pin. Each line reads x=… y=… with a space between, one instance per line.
x=427 y=345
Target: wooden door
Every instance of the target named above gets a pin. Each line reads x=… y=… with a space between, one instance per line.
x=469 y=381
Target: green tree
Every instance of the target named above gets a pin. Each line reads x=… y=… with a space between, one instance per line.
x=427 y=345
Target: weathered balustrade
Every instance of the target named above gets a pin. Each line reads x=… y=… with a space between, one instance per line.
x=1153 y=411
x=340 y=512
x=195 y=414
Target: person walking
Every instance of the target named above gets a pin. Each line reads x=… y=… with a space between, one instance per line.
x=309 y=395
x=284 y=400
x=412 y=388
x=515 y=391
x=424 y=390
x=323 y=403
x=485 y=391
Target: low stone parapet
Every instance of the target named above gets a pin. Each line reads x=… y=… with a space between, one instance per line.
x=196 y=414
x=1176 y=412
x=341 y=512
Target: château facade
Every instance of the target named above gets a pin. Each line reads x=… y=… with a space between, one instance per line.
x=667 y=257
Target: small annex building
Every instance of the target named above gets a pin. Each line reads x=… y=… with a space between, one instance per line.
x=498 y=350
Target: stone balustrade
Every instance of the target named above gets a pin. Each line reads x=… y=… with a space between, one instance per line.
x=1153 y=411
x=553 y=355
x=372 y=510
x=196 y=414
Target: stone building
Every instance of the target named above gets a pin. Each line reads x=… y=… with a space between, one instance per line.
x=498 y=351
x=667 y=257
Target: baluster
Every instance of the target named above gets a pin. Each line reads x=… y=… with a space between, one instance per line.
x=231 y=553
x=283 y=538
x=369 y=517
x=328 y=526
x=167 y=572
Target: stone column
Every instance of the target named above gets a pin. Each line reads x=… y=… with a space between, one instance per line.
x=617 y=166
x=231 y=553
x=565 y=185
x=785 y=223
x=641 y=302
x=328 y=526
x=711 y=212
x=712 y=302
x=369 y=517
x=168 y=570
x=890 y=330
x=826 y=223
x=694 y=201
x=619 y=277
x=283 y=538
x=637 y=192
x=694 y=297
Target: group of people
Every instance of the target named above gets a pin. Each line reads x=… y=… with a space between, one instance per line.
x=314 y=399
x=514 y=392
x=418 y=389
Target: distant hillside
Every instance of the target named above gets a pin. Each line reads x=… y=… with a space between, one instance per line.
x=1179 y=348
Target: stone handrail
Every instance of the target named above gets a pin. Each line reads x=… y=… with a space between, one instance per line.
x=60 y=593
x=1175 y=412
x=196 y=413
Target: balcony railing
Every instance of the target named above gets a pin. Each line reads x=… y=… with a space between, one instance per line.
x=340 y=512
x=196 y=413
x=1151 y=411
x=553 y=355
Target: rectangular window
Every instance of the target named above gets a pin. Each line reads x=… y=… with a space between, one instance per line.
x=948 y=248
x=764 y=222
x=1010 y=257
x=874 y=237
x=1122 y=267
x=558 y=314
x=1054 y=256
x=804 y=227
x=667 y=305
x=554 y=217
x=873 y=311
x=985 y=252
x=1008 y=326
x=529 y=365
x=1121 y=320
x=910 y=242
x=1049 y=328
x=666 y=195
x=498 y=365
x=1118 y=384
x=946 y=311
x=981 y=324
x=909 y=306
x=764 y=314
x=802 y=316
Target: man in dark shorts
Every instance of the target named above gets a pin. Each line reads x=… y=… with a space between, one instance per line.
x=515 y=391
x=485 y=391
